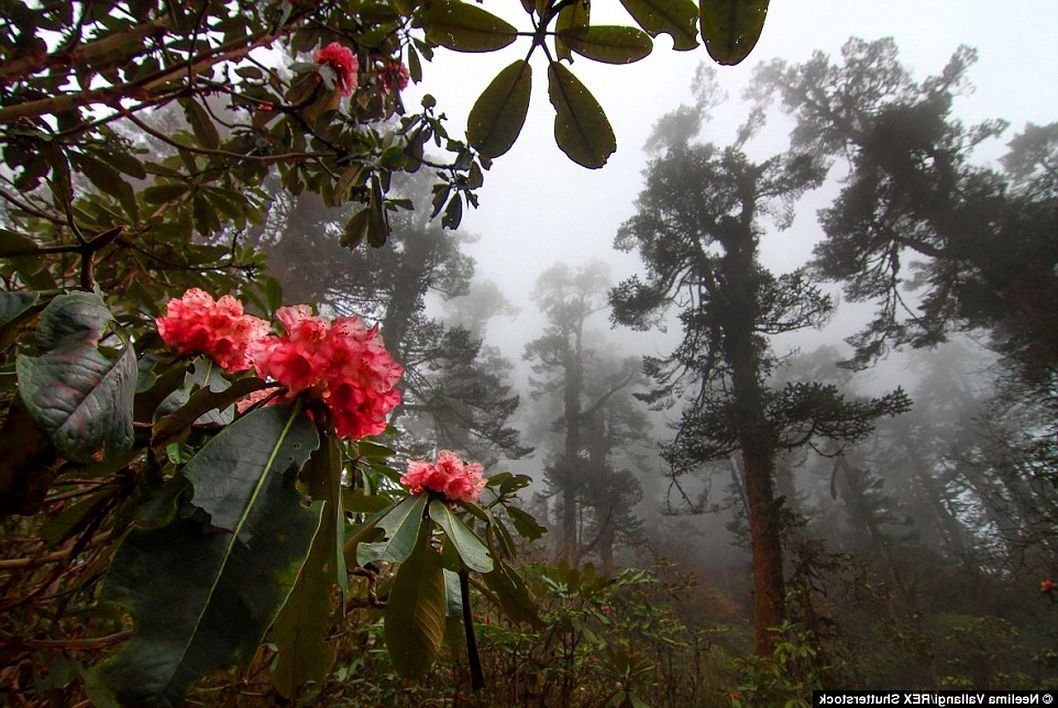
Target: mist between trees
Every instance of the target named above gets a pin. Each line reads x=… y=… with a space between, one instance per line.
x=744 y=515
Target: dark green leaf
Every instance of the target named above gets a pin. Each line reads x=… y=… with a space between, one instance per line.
x=731 y=28
x=200 y=403
x=610 y=44
x=226 y=471
x=201 y=124
x=356 y=228
x=202 y=598
x=576 y=15
x=414 y=622
x=470 y=548
x=512 y=594
x=465 y=27
x=14 y=305
x=581 y=128
x=524 y=523
x=677 y=18
x=401 y=525
x=499 y=113
x=79 y=396
x=300 y=631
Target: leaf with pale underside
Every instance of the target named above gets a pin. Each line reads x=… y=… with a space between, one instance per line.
x=469 y=547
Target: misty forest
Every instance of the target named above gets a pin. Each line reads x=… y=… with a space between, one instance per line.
x=275 y=432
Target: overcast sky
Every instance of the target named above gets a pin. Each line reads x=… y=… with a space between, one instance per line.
x=538 y=208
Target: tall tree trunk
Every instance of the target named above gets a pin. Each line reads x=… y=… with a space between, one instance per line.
x=574 y=363
x=756 y=437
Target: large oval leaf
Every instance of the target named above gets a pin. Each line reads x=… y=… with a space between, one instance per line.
x=465 y=27
x=676 y=18
x=731 y=28
x=401 y=525
x=300 y=631
x=202 y=598
x=414 y=623
x=81 y=397
x=609 y=44
x=499 y=113
x=576 y=15
x=469 y=547
x=581 y=128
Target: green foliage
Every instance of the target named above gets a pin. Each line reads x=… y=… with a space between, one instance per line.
x=80 y=396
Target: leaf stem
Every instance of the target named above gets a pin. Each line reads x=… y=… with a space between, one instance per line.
x=477 y=678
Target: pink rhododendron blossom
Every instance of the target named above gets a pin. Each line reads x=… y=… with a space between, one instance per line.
x=343 y=62
x=449 y=476
x=341 y=364
x=195 y=323
x=393 y=76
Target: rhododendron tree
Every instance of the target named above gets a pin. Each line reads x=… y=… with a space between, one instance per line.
x=216 y=525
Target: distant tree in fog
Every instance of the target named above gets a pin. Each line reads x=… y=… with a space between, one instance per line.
x=697 y=230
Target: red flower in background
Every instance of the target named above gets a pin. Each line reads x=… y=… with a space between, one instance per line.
x=393 y=76
x=342 y=364
x=196 y=324
x=1047 y=586
x=343 y=62
x=450 y=476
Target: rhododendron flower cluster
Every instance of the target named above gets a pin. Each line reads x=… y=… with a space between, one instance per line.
x=196 y=324
x=342 y=364
x=343 y=62
x=450 y=476
x=393 y=76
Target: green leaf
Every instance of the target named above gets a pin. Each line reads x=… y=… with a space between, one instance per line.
x=401 y=525
x=499 y=113
x=470 y=548
x=201 y=597
x=14 y=305
x=79 y=396
x=465 y=27
x=676 y=18
x=731 y=28
x=13 y=244
x=109 y=181
x=607 y=43
x=356 y=228
x=576 y=15
x=226 y=471
x=414 y=622
x=512 y=594
x=581 y=128
x=524 y=523
x=201 y=402
x=201 y=124
x=300 y=631
x=377 y=222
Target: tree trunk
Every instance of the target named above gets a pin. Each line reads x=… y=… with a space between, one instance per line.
x=756 y=437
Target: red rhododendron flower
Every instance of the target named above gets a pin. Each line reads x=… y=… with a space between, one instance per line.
x=195 y=323
x=343 y=62
x=341 y=364
x=449 y=476
x=393 y=76
x=1047 y=586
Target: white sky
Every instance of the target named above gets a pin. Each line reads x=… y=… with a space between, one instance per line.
x=537 y=207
